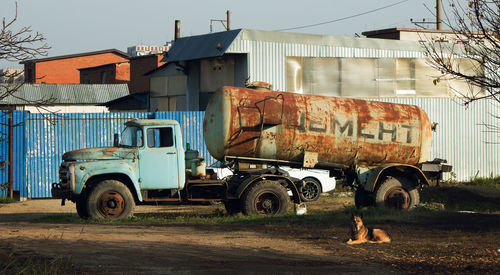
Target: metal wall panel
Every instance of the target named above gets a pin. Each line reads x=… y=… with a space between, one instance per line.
x=4 y=152
x=49 y=136
x=19 y=152
x=266 y=59
x=461 y=136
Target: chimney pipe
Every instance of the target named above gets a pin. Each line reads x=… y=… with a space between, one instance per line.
x=228 y=20
x=177 y=31
x=439 y=24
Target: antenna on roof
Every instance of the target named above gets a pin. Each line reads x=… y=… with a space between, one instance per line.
x=439 y=22
x=227 y=26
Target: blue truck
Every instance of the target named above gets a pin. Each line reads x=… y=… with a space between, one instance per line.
x=149 y=164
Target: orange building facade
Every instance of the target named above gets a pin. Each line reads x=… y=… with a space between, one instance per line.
x=114 y=73
x=64 y=69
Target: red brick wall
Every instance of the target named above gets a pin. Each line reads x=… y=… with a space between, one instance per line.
x=65 y=71
x=122 y=73
x=140 y=66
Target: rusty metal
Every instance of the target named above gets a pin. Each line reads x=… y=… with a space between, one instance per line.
x=111 y=204
x=340 y=130
x=11 y=156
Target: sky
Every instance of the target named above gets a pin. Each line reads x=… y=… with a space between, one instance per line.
x=76 y=26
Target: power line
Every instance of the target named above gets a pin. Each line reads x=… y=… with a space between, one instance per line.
x=343 y=18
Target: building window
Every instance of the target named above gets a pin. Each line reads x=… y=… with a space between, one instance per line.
x=103 y=77
x=370 y=77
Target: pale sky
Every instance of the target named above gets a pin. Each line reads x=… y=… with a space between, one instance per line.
x=76 y=26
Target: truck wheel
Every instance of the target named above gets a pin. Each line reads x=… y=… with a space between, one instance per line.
x=397 y=193
x=266 y=198
x=233 y=207
x=110 y=199
x=81 y=207
x=362 y=198
x=311 y=190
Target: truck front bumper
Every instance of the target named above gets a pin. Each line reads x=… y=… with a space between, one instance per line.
x=60 y=191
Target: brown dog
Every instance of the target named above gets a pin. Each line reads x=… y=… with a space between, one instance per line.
x=363 y=234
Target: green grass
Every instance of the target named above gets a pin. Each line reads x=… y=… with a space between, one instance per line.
x=17 y=264
x=491 y=182
x=454 y=198
x=314 y=219
x=4 y=200
x=434 y=201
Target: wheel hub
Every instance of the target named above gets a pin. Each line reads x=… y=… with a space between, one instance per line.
x=111 y=204
x=397 y=197
x=267 y=203
x=309 y=190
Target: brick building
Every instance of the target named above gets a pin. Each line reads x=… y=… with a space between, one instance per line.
x=139 y=66
x=114 y=73
x=64 y=69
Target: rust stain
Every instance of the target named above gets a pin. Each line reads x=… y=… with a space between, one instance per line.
x=340 y=130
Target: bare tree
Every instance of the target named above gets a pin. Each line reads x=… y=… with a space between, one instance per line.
x=18 y=45
x=473 y=55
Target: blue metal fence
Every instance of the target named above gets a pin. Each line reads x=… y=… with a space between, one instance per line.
x=40 y=140
x=19 y=151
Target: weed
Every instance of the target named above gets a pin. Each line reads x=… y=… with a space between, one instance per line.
x=16 y=264
x=490 y=182
x=4 y=200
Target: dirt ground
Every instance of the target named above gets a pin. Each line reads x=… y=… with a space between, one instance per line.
x=460 y=243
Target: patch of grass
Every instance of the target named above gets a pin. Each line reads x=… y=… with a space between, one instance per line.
x=458 y=199
x=491 y=182
x=4 y=200
x=16 y=264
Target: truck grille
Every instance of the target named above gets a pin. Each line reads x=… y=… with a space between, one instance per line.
x=64 y=174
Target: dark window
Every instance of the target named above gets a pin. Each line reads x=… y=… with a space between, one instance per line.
x=160 y=137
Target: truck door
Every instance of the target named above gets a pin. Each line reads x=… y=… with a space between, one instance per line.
x=158 y=161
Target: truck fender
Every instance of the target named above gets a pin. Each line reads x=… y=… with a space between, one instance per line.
x=378 y=172
x=112 y=172
x=245 y=184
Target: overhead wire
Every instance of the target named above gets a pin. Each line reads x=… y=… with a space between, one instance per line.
x=343 y=18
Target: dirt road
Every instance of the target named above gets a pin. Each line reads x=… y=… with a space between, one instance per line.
x=469 y=244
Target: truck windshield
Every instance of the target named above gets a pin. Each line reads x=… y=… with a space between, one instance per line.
x=131 y=137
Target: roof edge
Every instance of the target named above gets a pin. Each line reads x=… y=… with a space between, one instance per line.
x=123 y=54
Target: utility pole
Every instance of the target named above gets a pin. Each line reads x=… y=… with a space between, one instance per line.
x=439 y=25
x=227 y=26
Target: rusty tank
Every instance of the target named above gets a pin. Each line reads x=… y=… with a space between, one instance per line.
x=266 y=124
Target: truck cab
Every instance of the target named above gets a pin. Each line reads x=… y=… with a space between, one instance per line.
x=148 y=158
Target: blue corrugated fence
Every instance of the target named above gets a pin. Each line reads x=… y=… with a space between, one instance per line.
x=40 y=140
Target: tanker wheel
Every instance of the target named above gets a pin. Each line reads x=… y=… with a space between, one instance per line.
x=81 y=206
x=110 y=199
x=311 y=190
x=232 y=207
x=362 y=198
x=397 y=193
x=266 y=198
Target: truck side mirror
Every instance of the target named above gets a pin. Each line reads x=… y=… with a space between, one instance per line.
x=116 y=140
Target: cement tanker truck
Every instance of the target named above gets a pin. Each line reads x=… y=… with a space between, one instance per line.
x=381 y=149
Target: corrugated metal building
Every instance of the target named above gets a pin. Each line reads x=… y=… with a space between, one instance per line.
x=368 y=68
x=64 y=98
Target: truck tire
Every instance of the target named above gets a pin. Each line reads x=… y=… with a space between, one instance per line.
x=362 y=197
x=110 y=199
x=233 y=207
x=397 y=193
x=81 y=206
x=311 y=190
x=265 y=198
